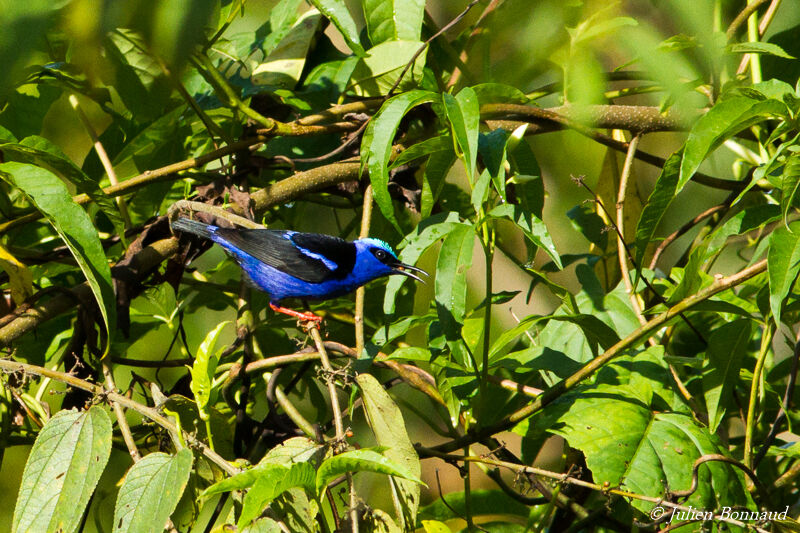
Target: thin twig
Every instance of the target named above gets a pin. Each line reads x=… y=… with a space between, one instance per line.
x=103 y=156
x=742 y=17
x=620 y=209
x=366 y=217
x=564 y=478
x=313 y=330
x=119 y=412
x=669 y=239
x=755 y=385
x=786 y=405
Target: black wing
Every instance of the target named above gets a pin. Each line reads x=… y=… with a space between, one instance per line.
x=311 y=257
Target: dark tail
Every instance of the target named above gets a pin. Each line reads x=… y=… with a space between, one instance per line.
x=192 y=226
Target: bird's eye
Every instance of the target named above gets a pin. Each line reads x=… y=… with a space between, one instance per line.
x=380 y=254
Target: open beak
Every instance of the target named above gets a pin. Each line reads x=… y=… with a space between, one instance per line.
x=407 y=270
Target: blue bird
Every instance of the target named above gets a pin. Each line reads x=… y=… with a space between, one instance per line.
x=307 y=266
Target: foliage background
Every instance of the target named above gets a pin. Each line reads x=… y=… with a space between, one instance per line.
x=556 y=53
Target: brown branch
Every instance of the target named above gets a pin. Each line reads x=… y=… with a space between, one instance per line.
x=148 y=412
x=742 y=17
x=669 y=239
x=637 y=119
x=28 y=318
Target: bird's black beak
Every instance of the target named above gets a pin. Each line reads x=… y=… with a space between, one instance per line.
x=407 y=270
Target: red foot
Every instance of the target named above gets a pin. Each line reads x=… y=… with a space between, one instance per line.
x=296 y=314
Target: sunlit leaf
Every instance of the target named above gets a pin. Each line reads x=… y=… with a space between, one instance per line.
x=151 y=491
x=65 y=463
x=50 y=196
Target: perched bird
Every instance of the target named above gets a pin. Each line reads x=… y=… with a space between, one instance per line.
x=307 y=266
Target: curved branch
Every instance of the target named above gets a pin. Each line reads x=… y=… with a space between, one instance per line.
x=148 y=412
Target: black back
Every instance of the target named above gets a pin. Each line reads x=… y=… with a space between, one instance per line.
x=291 y=255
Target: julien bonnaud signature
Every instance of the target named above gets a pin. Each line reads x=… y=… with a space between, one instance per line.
x=693 y=514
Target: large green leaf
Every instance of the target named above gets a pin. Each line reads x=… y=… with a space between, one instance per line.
x=389 y=428
x=50 y=196
x=645 y=450
x=151 y=491
x=337 y=12
x=727 y=347
x=64 y=465
x=393 y=20
x=363 y=460
x=722 y=121
x=455 y=259
x=376 y=146
x=463 y=113
x=783 y=264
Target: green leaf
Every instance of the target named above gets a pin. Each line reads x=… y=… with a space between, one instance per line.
x=204 y=368
x=463 y=113
x=722 y=121
x=389 y=428
x=336 y=11
x=151 y=491
x=284 y=65
x=50 y=196
x=376 y=146
x=657 y=204
x=393 y=20
x=434 y=526
x=480 y=191
x=441 y=143
x=64 y=465
x=727 y=347
x=759 y=48
x=455 y=260
x=263 y=525
x=790 y=185
x=783 y=264
x=492 y=148
x=482 y=502
x=630 y=446
x=141 y=84
x=436 y=169
x=497 y=92
x=363 y=460
x=592 y=327
x=41 y=152
x=533 y=228
x=281 y=458
x=377 y=72
x=271 y=483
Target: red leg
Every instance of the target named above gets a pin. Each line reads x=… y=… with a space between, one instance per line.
x=291 y=312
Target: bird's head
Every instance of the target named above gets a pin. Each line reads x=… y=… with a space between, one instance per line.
x=375 y=258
